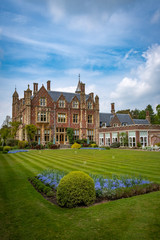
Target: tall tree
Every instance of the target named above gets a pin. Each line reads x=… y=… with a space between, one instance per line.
x=151 y=112
x=15 y=126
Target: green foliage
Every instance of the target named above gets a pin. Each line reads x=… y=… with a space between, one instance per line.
x=70 y=134
x=1 y=148
x=139 y=144
x=93 y=145
x=41 y=187
x=76 y=145
x=115 y=145
x=11 y=142
x=81 y=141
x=31 y=130
x=124 y=138
x=14 y=129
x=158 y=144
x=107 y=148
x=22 y=144
x=5 y=133
x=6 y=148
x=76 y=189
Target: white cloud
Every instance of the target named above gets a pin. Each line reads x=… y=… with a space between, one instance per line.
x=156 y=17
x=145 y=85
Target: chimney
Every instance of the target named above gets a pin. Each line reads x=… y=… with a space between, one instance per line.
x=48 y=85
x=82 y=87
x=92 y=95
x=112 y=108
x=147 y=116
x=35 y=88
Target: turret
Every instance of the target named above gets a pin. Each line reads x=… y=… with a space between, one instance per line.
x=15 y=102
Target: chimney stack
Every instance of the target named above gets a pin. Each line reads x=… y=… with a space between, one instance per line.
x=48 y=85
x=35 y=88
x=147 y=116
x=82 y=87
x=112 y=108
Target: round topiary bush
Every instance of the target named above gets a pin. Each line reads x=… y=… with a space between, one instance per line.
x=76 y=189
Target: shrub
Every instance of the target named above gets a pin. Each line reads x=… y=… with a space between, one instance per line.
x=93 y=145
x=139 y=144
x=1 y=148
x=158 y=144
x=76 y=189
x=22 y=144
x=34 y=144
x=115 y=145
x=11 y=142
x=6 y=148
x=76 y=145
x=55 y=146
x=107 y=148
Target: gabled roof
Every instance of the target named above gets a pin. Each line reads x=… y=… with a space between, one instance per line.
x=68 y=96
x=141 y=121
x=105 y=118
x=125 y=118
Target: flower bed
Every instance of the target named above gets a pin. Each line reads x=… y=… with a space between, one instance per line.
x=95 y=148
x=18 y=150
x=105 y=188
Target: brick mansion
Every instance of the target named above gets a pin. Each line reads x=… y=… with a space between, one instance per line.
x=52 y=112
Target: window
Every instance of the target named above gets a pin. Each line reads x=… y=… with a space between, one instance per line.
x=76 y=134
x=90 y=106
x=144 y=138
x=101 y=139
x=61 y=103
x=107 y=137
x=124 y=124
x=114 y=137
x=132 y=139
x=46 y=135
x=42 y=102
x=75 y=118
x=61 y=117
x=90 y=120
x=75 y=104
x=37 y=135
x=115 y=125
x=90 y=134
x=42 y=117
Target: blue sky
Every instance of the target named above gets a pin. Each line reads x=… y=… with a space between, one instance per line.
x=114 y=46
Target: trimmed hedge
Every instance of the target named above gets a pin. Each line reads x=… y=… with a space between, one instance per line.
x=76 y=189
x=42 y=188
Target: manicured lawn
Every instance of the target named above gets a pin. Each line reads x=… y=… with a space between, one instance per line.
x=25 y=214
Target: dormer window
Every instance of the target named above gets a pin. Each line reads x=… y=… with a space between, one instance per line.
x=90 y=105
x=75 y=104
x=115 y=125
x=61 y=103
x=124 y=124
x=42 y=102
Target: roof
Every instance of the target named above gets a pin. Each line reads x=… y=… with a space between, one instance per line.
x=141 y=121
x=125 y=118
x=68 y=96
x=105 y=118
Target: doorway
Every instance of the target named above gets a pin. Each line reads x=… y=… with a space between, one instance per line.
x=61 y=138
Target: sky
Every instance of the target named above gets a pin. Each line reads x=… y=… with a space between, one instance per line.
x=113 y=45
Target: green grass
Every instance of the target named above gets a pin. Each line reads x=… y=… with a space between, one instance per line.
x=25 y=214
